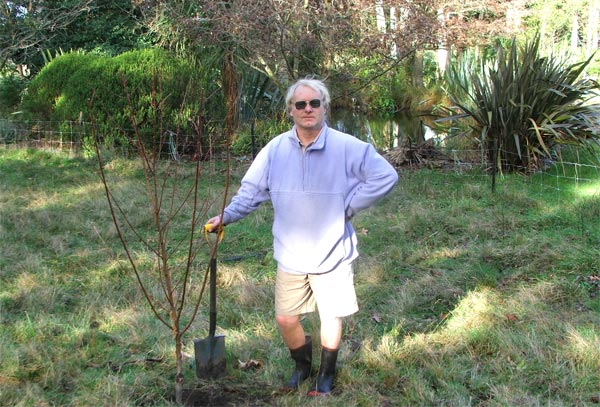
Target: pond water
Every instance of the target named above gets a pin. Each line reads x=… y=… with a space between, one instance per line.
x=386 y=133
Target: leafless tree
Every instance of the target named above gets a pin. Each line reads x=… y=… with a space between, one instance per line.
x=288 y=39
x=164 y=247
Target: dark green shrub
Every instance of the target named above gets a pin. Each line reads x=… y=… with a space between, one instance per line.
x=47 y=92
x=11 y=87
x=151 y=88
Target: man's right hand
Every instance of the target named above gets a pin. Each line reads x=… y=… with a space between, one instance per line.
x=213 y=224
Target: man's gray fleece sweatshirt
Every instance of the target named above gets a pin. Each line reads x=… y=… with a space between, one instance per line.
x=315 y=192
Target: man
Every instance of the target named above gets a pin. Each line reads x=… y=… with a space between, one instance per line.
x=317 y=179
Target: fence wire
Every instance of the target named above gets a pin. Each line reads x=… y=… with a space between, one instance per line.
x=75 y=140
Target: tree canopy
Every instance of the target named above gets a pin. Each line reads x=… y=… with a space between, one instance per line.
x=27 y=26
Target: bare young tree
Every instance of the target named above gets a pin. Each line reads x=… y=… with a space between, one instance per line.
x=164 y=247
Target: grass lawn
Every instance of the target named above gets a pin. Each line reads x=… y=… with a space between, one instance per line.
x=468 y=297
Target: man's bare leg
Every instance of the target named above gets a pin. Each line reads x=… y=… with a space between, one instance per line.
x=331 y=332
x=291 y=330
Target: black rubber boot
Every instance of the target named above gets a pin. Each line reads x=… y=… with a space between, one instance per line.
x=326 y=374
x=303 y=358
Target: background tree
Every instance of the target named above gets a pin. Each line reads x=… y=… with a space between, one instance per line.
x=466 y=24
x=26 y=26
x=109 y=27
x=60 y=91
x=571 y=25
x=286 y=40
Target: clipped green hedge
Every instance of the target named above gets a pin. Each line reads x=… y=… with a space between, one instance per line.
x=47 y=92
x=62 y=90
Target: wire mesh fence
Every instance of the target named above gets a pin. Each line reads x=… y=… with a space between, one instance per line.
x=76 y=139
x=69 y=137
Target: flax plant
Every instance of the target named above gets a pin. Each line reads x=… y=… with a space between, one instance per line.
x=522 y=106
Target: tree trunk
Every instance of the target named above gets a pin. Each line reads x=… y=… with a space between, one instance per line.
x=179 y=369
x=513 y=16
x=380 y=16
x=574 y=35
x=544 y=30
x=592 y=29
x=230 y=85
x=442 y=51
x=417 y=71
x=393 y=28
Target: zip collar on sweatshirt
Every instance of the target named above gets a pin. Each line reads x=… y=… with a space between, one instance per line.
x=317 y=144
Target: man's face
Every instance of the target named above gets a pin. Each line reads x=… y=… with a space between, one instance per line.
x=309 y=117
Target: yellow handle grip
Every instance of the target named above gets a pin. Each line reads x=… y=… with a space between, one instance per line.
x=220 y=231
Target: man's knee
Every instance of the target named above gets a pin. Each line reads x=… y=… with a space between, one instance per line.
x=285 y=321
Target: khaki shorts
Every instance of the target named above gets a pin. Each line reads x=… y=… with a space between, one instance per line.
x=331 y=293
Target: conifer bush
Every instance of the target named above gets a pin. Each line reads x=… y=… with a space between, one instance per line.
x=77 y=86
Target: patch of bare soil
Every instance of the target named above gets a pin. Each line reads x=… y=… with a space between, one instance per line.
x=224 y=393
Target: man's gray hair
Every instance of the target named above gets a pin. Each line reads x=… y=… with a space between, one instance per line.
x=315 y=84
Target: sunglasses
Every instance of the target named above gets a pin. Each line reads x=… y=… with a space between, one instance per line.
x=313 y=103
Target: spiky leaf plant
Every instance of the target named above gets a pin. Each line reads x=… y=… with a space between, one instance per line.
x=522 y=105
